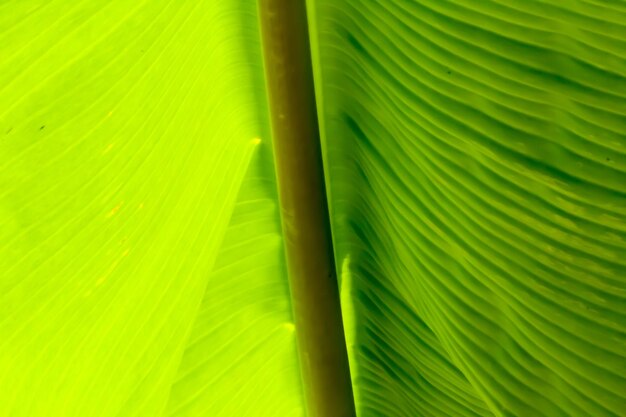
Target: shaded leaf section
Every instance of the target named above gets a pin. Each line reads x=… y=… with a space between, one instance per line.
x=476 y=159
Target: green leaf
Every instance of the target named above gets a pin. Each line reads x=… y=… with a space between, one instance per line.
x=476 y=160
x=241 y=357
x=475 y=154
x=126 y=130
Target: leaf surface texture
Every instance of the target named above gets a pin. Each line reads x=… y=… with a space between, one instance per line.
x=126 y=131
x=476 y=161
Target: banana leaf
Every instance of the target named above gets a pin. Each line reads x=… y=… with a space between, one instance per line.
x=475 y=155
x=475 y=160
x=141 y=263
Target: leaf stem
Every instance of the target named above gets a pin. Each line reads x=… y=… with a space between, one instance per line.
x=304 y=209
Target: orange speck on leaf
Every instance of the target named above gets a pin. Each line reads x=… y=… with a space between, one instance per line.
x=114 y=211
